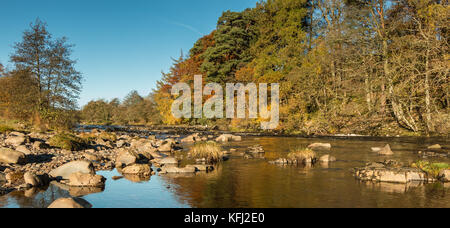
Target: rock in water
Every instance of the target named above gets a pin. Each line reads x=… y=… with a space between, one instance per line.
x=70 y=203
x=11 y=156
x=138 y=169
x=386 y=150
x=68 y=169
x=228 y=138
x=435 y=147
x=327 y=158
x=320 y=146
x=86 y=180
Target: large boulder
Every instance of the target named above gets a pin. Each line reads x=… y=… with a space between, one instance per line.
x=16 y=140
x=138 y=169
x=11 y=156
x=36 y=180
x=68 y=169
x=70 y=203
x=86 y=180
x=320 y=146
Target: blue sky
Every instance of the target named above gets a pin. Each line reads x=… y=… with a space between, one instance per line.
x=120 y=45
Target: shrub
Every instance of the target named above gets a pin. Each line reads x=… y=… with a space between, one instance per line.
x=301 y=155
x=210 y=151
x=433 y=169
x=68 y=142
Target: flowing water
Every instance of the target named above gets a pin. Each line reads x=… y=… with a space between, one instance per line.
x=241 y=183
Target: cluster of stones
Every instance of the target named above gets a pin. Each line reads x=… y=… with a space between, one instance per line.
x=394 y=172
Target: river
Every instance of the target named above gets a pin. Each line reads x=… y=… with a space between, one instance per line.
x=242 y=183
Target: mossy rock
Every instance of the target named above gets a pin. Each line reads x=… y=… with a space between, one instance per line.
x=68 y=141
x=5 y=129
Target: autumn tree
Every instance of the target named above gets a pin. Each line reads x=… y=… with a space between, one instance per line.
x=49 y=62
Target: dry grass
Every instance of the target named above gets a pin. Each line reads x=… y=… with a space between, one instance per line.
x=210 y=151
x=301 y=155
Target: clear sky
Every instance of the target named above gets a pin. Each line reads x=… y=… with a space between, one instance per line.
x=120 y=45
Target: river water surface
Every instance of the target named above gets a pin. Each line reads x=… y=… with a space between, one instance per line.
x=241 y=183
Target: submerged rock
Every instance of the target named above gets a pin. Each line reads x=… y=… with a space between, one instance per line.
x=70 y=203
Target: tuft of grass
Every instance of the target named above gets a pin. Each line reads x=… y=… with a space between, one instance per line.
x=211 y=151
x=433 y=169
x=68 y=142
x=300 y=155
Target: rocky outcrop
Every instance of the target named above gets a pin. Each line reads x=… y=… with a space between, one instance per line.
x=70 y=203
x=86 y=180
x=68 y=169
x=11 y=156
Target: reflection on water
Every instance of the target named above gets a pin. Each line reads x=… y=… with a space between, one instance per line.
x=245 y=183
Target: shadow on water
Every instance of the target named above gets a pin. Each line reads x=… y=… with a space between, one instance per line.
x=244 y=183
